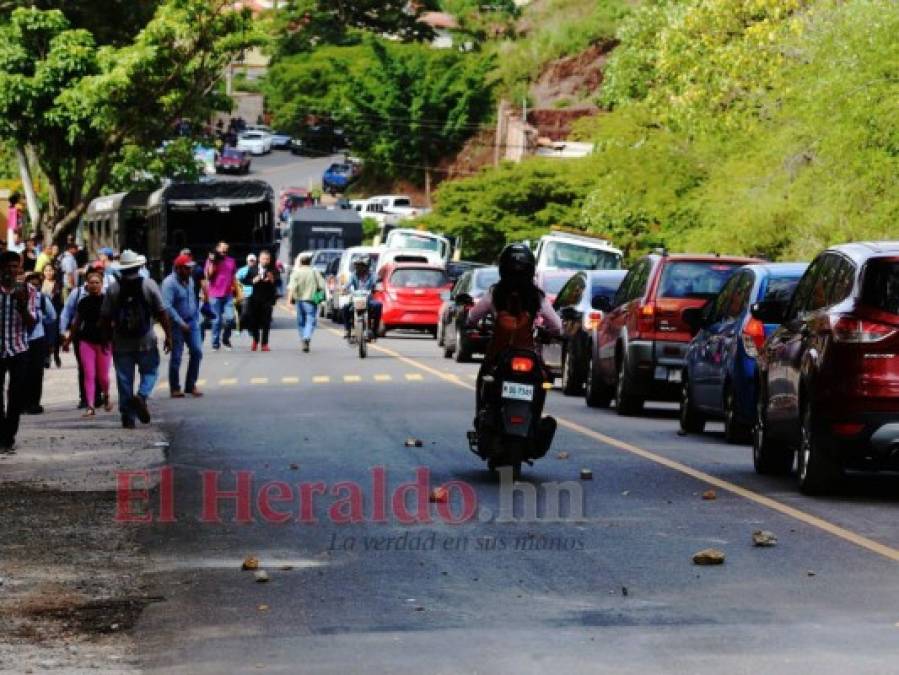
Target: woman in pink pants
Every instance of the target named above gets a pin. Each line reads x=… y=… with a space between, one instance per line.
x=92 y=341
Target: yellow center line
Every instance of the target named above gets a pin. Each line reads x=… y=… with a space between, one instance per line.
x=201 y=383
x=352 y=378
x=228 y=381
x=259 y=380
x=414 y=377
x=383 y=378
x=755 y=497
x=290 y=380
x=321 y=379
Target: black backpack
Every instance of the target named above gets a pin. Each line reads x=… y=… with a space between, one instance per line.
x=134 y=318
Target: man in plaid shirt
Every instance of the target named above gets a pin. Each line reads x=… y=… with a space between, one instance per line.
x=18 y=315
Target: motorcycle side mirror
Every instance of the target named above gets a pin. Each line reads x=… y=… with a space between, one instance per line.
x=770 y=311
x=464 y=299
x=601 y=303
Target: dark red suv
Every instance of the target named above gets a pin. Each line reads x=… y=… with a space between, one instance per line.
x=639 y=353
x=829 y=376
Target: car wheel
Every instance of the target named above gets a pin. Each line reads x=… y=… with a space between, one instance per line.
x=626 y=403
x=817 y=473
x=691 y=421
x=596 y=392
x=766 y=458
x=433 y=332
x=571 y=383
x=441 y=335
x=735 y=431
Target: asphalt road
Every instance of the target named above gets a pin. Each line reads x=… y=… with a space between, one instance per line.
x=612 y=591
x=282 y=169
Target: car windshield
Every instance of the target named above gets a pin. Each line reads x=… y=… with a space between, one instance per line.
x=339 y=168
x=485 y=279
x=418 y=278
x=231 y=153
x=699 y=279
x=568 y=256
x=253 y=136
x=416 y=241
x=372 y=258
x=402 y=202
x=881 y=286
x=780 y=289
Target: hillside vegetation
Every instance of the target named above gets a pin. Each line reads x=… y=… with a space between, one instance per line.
x=746 y=126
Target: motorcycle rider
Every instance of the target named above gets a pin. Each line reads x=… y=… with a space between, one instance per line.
x=516 y=303
x=362 y=280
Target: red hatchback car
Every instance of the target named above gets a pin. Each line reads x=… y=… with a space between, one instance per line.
x=410 y=295
x=232 y=161
x=829 y=376
x=643 y=339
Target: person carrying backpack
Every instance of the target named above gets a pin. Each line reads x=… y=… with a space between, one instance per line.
x=129 y=309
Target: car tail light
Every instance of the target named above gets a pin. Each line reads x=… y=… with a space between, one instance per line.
x=516 y=419
x=847 y=428
x=753 y=337
x=852 y=329
x=522 y=364
x=592 y=320
x=646 y=318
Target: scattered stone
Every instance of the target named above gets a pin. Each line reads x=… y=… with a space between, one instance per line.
x=562 y=455
x=294 y=467
x=250 y=563
x=419 y=609
x=414 y=443
x=286 y=568
x=439 y=495
x=114 y=626
x=810 y=573
x=262 y=608
x=681 y=432
x=624 y=591
x=586 y=474
x=625 y=493
x=709 y=556
x=710 y=495
x=764 y=538
x=261 y=576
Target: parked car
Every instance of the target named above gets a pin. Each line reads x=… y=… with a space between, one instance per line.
x=829 y=375
x=281 y=140
x=323 y=257
x=719 y=380
x=569 y=357
x=254 y=142
x=411 y=295
x=337 y=177
x=639 y=353
x=232 y=160
x=551 y=281
x=457 y=340
x=296 y=146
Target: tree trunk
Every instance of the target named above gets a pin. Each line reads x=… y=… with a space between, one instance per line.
x=34 y=209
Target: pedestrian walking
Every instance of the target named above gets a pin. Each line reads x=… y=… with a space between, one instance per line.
x=306 y=289
x=68 y=269
x=18 y=315
x=94 y=343
x=37 y=348
x=51 y=288
x=245 y=276
x=29 y=255
x=220 y=274
x=130 y=307
x=262 y=301
x=47 y=257
x=181 y=303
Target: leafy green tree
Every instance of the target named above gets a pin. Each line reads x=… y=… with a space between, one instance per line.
x=301 y=25
x=109 y=21
x=80 y=107
x=414 y=106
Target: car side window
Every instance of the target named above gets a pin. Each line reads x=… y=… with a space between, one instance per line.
x=623 y=290
x=844 y=280
x=805 y=286
x=571 y=292
x=820 y=290
x=641 y=278
x=722 y=301
x=742 y=289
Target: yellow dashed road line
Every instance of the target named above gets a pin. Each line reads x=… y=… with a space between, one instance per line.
x=259 y=380
x=321 y=379
x=352 y=378
x=383 y=378
x=290 y=380
x=228 y=382
x=414 y=377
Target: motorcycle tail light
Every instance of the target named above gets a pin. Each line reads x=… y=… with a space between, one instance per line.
x=753 y=337
x=852 y=329
x=522 y=364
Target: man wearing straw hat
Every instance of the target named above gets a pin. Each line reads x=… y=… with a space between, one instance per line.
x=131 y=304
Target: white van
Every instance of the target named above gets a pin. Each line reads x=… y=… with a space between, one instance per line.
x=420 y=240
x=409 y=255
x=339 y=298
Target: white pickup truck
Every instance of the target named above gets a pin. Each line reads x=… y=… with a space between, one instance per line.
x=388 y=208
x=568 y=251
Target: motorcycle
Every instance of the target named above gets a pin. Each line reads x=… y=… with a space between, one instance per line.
x=359 y=332
x=509 y=426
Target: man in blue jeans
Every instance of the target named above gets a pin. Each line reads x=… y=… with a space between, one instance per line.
x=305 y=282
x=129 y=308
x=221 y=270
x=181 y=303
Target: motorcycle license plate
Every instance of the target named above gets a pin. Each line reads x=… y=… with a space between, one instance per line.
x=518 y=392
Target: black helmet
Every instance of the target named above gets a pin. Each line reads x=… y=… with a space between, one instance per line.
x=517 y=260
